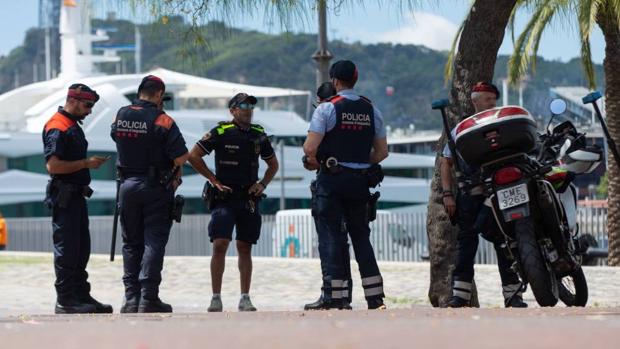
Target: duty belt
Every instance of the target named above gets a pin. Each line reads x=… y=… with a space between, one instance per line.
x=80 y=189
x=238 y=193
x=339 y=168
x=152 y=172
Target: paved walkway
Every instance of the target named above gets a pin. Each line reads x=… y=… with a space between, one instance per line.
x=26 y=284
x=420 y=327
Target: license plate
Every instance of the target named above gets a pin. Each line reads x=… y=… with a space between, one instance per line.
x=513 y=196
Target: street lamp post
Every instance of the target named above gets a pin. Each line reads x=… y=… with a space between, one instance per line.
x=282 y=177
x=322 y=56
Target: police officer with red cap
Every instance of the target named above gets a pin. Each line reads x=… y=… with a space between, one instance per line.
x=474 y=218
x=151 y=152
x=346 y=142
x=65 y=148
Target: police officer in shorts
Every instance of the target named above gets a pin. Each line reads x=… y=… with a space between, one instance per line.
x=236 y=191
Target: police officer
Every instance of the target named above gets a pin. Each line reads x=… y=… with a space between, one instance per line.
x=325 y=91
x=237 y=145
x=345 y=138
x=65 y=149
x=151 y=152
x=474 y=218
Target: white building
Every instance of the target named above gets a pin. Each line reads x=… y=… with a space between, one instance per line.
x=24 y=111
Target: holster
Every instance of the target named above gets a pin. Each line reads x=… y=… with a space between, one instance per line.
x=165 y=177
x=177 y=208
x=313 y=200
x=48 y=202
x=374 y=175
x=64 y=193
x=208 y=195
x=372 y=206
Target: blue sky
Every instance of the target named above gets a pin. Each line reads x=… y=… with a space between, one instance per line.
x=432 y=25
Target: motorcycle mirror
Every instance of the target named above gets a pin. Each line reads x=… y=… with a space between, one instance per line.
x=557 y=106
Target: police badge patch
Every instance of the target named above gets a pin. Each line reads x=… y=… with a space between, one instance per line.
x=206 y=136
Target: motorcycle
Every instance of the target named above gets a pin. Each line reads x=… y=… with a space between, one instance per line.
x=567 y=149
x=517 y=168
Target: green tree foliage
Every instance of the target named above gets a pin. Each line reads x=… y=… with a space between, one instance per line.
x=415 y=72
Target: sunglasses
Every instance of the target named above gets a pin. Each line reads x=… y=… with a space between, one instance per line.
x=88 y=104
x=245 y=106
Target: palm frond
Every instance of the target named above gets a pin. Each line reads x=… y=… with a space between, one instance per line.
x=611 y=7
x=543 y=22
x=586 y=14
x=448 y=69
x=519 y=60
x=526 y=47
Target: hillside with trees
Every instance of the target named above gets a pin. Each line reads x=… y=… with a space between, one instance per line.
x=415 y=72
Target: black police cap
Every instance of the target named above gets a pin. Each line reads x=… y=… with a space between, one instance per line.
x=240 y=98
x=344 y=70
x=152 y=81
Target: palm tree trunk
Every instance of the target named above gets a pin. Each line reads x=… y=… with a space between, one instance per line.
x=481 y=38
x=611 y=31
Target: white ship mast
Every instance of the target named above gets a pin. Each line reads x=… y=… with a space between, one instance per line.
x=76 y=58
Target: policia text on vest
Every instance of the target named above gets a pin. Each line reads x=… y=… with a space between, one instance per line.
x=151 y=152
x=346 y=142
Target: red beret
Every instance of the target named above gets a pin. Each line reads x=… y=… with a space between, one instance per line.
x=83 y=92
x=485 y=87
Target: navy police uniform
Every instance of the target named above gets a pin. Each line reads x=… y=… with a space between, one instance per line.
x=64 y=138
x=236 y=165
x=147 y=141
x=474 y=218
x=349 y=123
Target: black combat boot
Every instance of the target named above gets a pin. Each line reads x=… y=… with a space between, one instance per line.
x=318 y=305
x=321 y=304
x=515 y=301
x=375 y=303
x=153 y=306
x=130 y=305
x=340 y=304
x=72 y=306
x=346 y=305
x=100 y=308
x=457 y=302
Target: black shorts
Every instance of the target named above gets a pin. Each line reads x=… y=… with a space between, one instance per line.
x=233 y=214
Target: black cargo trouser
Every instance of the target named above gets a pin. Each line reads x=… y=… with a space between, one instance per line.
x=146 y=222
x=345 y=196
x=71 y=239
x=324 y=246
x=475 y=218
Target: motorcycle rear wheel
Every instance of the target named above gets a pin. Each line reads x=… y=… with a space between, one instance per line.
x=540 y=277
x=573 y=289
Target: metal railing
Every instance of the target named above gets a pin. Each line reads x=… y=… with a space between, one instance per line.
x=395 y=236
